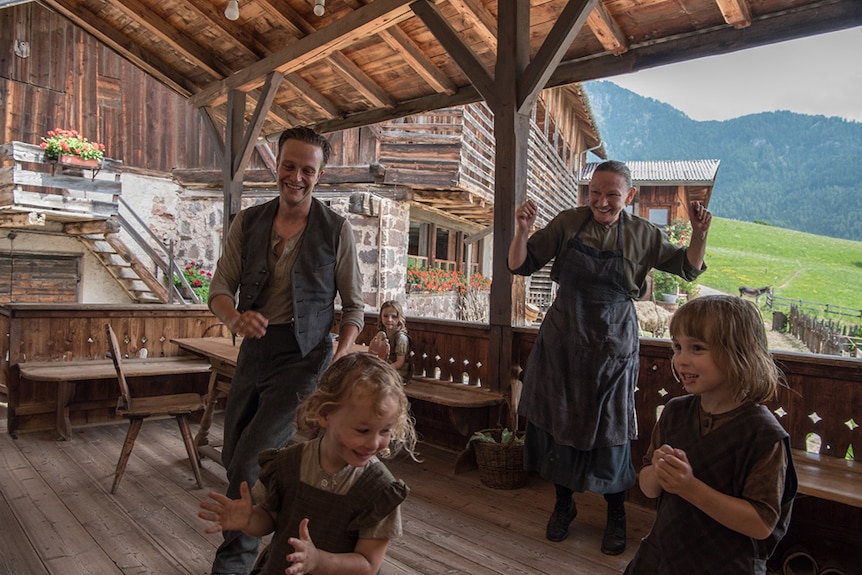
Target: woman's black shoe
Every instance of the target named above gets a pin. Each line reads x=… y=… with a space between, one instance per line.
x=614 y=540
x=558 y=524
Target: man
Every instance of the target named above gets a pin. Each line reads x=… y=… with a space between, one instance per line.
x=286 y=258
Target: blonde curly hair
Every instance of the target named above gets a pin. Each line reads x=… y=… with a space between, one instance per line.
x=367 y=374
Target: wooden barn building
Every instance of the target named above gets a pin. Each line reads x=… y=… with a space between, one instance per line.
x=420 y=189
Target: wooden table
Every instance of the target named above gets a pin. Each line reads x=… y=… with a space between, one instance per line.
x=67 y=373
x=221 y=352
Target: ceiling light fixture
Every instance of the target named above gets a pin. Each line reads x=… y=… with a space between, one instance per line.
x=319 y=7
x=232 y=10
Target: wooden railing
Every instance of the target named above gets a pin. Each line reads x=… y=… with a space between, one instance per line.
x=823 y=396
x=77 y=332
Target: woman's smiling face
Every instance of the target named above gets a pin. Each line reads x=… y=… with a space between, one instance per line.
x=609 y=195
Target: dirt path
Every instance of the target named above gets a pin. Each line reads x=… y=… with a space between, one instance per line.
x=777 y=341
x=783 y=342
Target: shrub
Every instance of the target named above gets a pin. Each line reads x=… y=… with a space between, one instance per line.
x=678 y=233
x=437 y=280
x=197 y=278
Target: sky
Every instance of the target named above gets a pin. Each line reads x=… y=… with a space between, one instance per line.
x=814 y=75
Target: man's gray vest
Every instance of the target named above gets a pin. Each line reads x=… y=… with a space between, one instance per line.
x=312 y=275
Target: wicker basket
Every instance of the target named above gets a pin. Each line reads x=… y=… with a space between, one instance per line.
x=501 y=465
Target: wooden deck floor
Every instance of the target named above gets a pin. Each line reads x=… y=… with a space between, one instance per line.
x=57 y=514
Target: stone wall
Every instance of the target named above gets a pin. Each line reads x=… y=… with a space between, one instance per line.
x=193 y=221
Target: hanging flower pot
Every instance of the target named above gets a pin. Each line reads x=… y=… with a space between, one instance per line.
x=70 y=148
x=78 y=161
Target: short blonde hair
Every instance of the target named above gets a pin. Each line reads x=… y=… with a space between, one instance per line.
x=734 y=330
x=367 y=374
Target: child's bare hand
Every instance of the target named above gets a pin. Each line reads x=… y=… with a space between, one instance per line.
x=305 y=557
x=379 y=346
x=227 y=514
x=672 y=469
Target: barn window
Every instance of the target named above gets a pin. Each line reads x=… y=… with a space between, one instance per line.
x=659 y=216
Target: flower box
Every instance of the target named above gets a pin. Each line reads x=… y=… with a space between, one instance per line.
x=78 y=162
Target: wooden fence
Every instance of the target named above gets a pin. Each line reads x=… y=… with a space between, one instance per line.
x=825 y=336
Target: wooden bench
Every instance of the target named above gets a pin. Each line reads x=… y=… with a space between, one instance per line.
x=67 y=373
x=466 y=408
x=828 y=477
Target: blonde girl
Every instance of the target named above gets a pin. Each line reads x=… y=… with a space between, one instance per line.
x=392 y=342
x=332 y=504
x=719 y=461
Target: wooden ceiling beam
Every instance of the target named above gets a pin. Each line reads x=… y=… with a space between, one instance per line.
x=401 y=43
x=299 y=27
x=799 y=22
x=465 y=95
x=363 y=84
x=426 y=213
x=346 y=31
x=737 y=13
x=252 y=48
x=309 y=94
x=606 y=30
x=292 y=20
x=156 y=25
x=535 y=76
x=484 y=23
x=457 y=49
x=796 y=23
x=268 y=157
x=425 y=68
x=252 y=132
x=242 y=40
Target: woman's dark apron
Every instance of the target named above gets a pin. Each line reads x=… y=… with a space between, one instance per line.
x=580 y=378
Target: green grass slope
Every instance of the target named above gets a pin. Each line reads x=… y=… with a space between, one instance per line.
x=797 y=265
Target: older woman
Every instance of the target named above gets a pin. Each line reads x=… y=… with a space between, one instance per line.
x=579 y=383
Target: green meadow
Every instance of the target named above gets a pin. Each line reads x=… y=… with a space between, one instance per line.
x=797 y=265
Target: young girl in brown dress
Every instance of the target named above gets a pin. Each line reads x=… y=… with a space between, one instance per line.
x=719 y=461
x=330 y=502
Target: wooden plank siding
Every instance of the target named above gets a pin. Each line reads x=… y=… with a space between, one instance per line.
x=70 y=80
x=35 y=278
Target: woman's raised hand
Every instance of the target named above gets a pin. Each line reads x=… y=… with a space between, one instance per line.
x=525 y=216
x=700 y=219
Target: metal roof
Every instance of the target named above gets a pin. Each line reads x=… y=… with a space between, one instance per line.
x=665 y=171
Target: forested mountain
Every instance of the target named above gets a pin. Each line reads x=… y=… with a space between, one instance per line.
x=789 y=170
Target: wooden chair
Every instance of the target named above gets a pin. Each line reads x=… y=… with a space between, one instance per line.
x=179 y=405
